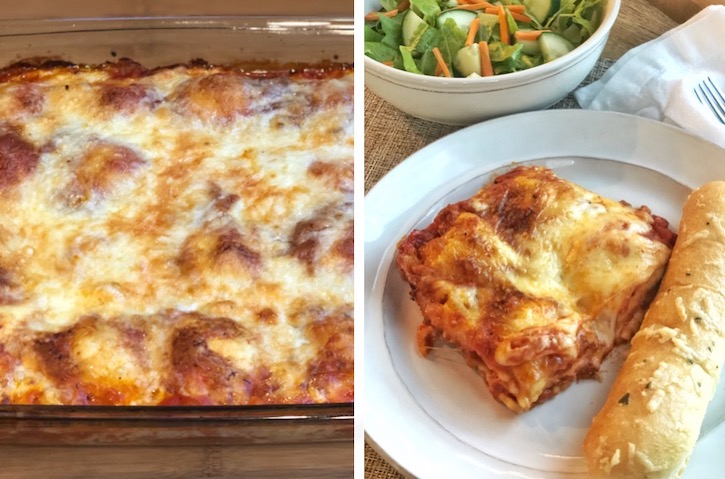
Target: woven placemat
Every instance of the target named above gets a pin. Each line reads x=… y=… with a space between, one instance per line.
x=377 y=468
x=390 y=137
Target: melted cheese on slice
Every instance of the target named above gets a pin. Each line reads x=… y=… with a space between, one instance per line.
x=534 y=279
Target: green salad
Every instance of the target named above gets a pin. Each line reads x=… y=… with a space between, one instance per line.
x=468 y=38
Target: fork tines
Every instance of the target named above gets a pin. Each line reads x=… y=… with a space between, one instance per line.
x=709 y=94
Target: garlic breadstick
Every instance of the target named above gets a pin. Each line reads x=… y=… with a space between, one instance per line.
x=651 y=419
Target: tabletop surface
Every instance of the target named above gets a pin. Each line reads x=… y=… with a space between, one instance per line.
x=391 y=136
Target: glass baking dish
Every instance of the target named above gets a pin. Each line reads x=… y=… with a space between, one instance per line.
x=161 y=41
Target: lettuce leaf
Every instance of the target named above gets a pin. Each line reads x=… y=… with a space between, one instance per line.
x=530 y=61
x=372 y=35
x=408 y=61
x=427 y=9
x=451 y=39
x=389 y=5
x=588 y=14
x=574 y=34
x=506 y=58
x=430 y=39
x=584 y=15
x=392 y=29
x=499 y=51
x=381 y=52
x=428 y=63
x=513 y=26
x=488 y=28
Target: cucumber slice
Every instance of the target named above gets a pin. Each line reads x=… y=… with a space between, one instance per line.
x=553 y=46
x=541 y=10
x=413 y=28
x=468 y=60
x=529 y=47
x=463 y=18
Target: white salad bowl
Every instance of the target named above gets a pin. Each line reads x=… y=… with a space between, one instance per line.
x=463 y=101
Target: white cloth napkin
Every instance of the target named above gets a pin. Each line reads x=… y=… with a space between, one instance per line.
x=656 y=80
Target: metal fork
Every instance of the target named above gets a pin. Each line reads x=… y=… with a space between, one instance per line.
x=710 y=95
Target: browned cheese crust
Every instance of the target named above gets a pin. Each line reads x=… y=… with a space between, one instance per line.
x=534 y=279
x=176 y=235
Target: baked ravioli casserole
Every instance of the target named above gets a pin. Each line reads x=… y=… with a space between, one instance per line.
x=180 y=235
x=534 y=279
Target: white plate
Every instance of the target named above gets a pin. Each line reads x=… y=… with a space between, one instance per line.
x=433 y=417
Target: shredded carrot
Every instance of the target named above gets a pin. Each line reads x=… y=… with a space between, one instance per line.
x=472 y=31
x=503 y=25
x=473 y=6
x=520 y=17
x=527 y=35
x=486 y=66
x=388 y=63
x=441 y=63
x=516 y=8
x=514 y=12
x=404 y=5
x=464 y=2
x=374 y=16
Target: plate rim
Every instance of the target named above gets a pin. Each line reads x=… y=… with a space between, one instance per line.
x=672 y=134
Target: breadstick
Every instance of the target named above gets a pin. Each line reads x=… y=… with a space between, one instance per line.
x=651 y=419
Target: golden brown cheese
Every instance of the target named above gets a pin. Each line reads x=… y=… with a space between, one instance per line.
x=534 y=279
x=179 y=235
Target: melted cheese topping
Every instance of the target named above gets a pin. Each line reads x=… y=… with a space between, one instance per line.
x=535 y=279
x=169 y=235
